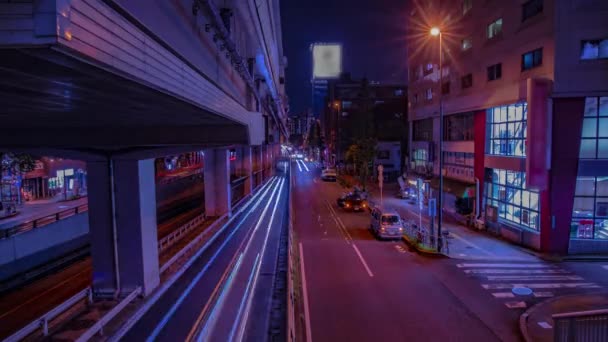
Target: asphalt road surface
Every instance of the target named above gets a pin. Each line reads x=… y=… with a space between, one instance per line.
x=361 y=289
x=218 y=297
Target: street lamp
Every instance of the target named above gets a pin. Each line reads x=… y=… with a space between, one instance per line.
x=435 y=31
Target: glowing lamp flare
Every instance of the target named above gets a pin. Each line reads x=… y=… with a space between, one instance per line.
x=435 y=31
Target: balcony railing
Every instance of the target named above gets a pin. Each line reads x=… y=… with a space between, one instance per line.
x=588 y=326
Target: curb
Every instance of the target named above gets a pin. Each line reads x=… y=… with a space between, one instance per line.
x=523 y=319
x=425 y=252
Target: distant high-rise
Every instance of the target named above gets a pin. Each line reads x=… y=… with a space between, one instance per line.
x=327 y=65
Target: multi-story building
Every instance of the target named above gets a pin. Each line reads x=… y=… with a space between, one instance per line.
x=525 y=98
x=300 y=123
x=383 y=105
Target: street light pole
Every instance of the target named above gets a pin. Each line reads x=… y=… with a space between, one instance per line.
x=436 y=32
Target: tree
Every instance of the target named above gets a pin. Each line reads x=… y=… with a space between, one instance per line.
x=16 y=165
x=296 y=140
x=361 y=154
x=314 y=140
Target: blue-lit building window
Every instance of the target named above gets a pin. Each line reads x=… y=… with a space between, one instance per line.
x=594 y=140
x=515 y=204
x=420 y=157
x=590 y=210
x=507 y=130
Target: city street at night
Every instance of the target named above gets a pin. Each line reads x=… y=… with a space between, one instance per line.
x=360 y=288
x=303 y=171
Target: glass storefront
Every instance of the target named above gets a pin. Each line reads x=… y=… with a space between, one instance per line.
x=515 y=204
x=590 y=210
x=594 y=142
x=507 y=130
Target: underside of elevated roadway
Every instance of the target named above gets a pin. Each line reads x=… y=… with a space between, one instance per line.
x=53 y=99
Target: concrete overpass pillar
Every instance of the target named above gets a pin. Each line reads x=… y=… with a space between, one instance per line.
x=248 y=166
x=122 y=222
x=217 y=182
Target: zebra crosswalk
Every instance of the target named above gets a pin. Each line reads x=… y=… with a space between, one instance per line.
x=521 y=284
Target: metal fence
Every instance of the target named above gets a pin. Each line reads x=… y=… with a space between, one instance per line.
x=582 y=326
x=43 y=221
x=418 y=235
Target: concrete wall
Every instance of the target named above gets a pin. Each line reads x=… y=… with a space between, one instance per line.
x=174 y=23
x=517 y=38
x=48 y=239
x=576 y=21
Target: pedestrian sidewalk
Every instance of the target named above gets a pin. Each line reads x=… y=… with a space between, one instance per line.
x=537 y=324
x=37 y=209
x=464 y=243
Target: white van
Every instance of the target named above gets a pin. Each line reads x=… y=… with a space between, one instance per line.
x=386 y=224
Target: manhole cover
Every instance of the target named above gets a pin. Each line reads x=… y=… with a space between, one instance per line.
x=522 y=291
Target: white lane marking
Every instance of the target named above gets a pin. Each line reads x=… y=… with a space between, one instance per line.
x=347 y=237
x=506 y=265
x=369 y=272
x=533 y=277
x=306 y=167
x=541 y=286
x=545 y=325
x=543 y=294
x=299 y=167
x=503 y=295
x=305 y=295
x=515 y=305
x=524 y=271
x=471 y=244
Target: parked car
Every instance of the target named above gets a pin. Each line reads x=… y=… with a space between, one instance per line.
x=386 y=223
x=352 y=201
x=329 y=175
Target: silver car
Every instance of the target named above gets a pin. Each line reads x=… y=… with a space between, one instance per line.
x=386 y=224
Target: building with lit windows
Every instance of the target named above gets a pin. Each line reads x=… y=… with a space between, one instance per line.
x=380 y=108
x=525 y=101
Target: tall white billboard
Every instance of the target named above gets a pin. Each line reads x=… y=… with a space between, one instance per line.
x=327 y=60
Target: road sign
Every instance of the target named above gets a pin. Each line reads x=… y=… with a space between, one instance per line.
x=432 y=207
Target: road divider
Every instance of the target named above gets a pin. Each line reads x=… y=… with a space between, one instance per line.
x=305 y=295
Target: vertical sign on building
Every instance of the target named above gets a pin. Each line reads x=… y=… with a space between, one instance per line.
x=326 y=65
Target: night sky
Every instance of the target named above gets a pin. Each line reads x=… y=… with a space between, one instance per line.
x=372 y=33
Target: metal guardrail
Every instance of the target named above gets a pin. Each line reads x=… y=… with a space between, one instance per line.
x=587 y=326
x=177 y=234
x=42 y=322
x=193 y=243
x=43 y=221
x=98 y=326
